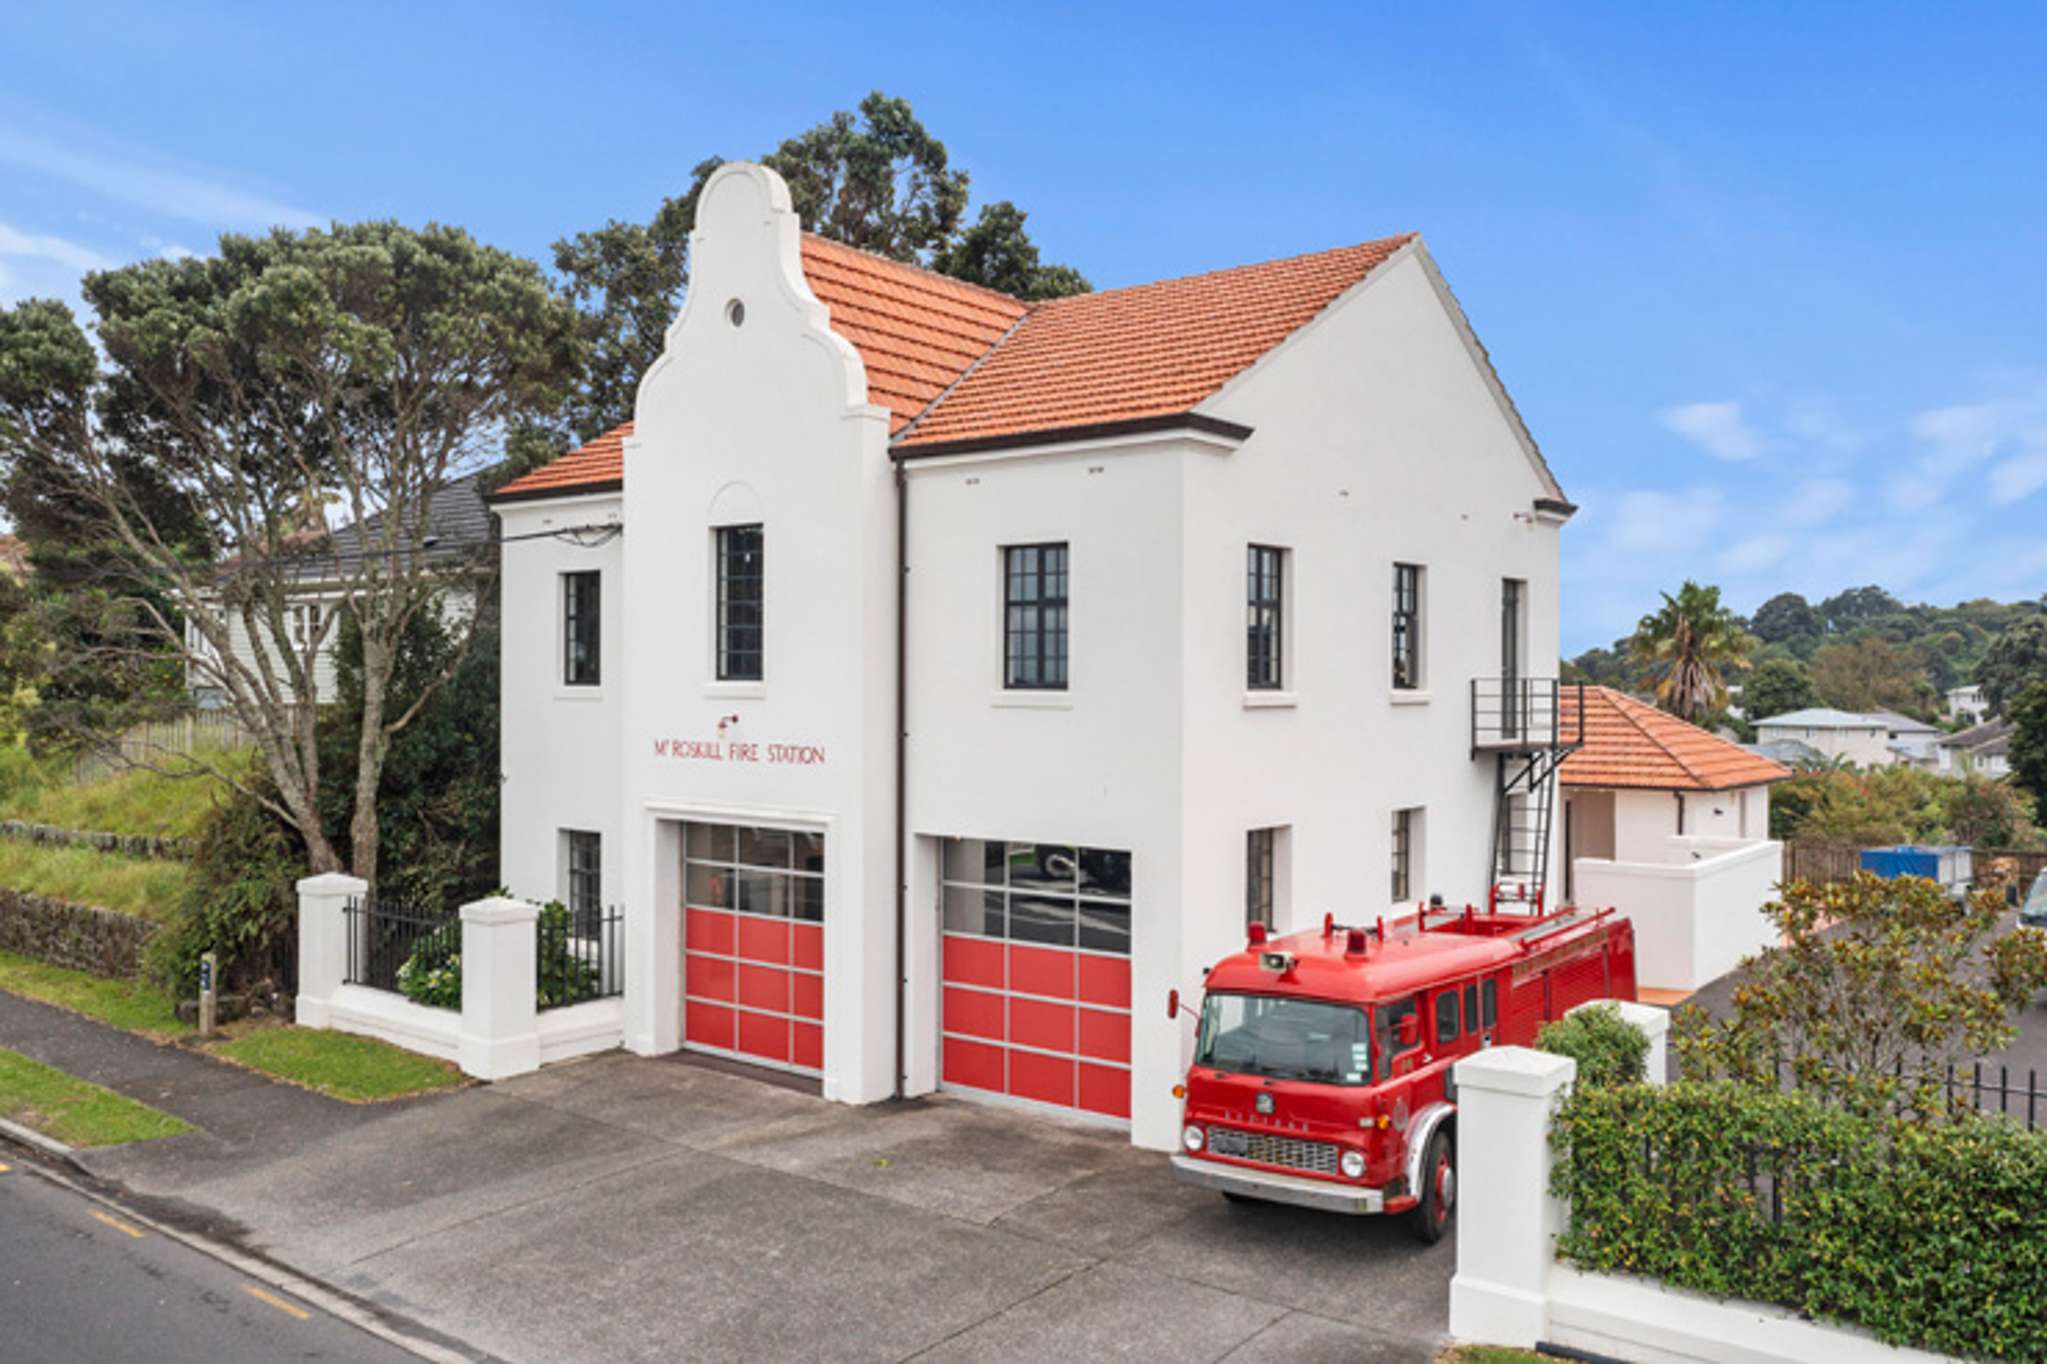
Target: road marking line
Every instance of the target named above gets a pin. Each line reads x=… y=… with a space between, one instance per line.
x=264 y=1295
x=117 y=1224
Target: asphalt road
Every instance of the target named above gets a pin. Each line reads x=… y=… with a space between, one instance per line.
x=80 y=1283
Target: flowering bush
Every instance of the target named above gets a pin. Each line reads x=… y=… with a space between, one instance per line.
x=432 y=975
x=564 y=973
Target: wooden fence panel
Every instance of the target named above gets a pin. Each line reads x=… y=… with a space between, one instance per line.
x=153 y=740
x=1819 y=862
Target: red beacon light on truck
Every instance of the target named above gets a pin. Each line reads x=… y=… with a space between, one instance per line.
x=1322 y=1071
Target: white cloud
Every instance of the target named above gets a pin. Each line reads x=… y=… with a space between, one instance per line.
x=2018 y=477
x=1716 y=428
x=1754 y=554
x=127 y=178
x=29 y=246
x=1657 y=522
x=1816 y=501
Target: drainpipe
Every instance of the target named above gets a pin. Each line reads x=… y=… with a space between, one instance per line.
x=1680 y=812
x=902 y=723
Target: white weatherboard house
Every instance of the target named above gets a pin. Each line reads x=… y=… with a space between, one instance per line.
x=937 y=679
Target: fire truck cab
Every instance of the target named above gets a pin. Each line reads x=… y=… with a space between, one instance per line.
x=1322 y=1068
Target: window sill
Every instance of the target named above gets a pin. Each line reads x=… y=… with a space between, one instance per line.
x=579 y=693
x=1270 y=700
x=1408 y=698
x=1034 y=700
x=736 y=691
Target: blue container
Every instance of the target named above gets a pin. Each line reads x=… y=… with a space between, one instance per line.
x=1948 y=864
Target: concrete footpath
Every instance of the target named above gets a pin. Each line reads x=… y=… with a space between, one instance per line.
x=629 y=1208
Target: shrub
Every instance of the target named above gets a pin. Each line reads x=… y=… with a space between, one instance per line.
x=1609 y=1050
x=1929 y=1235
x=241 y=900
x=432 y=975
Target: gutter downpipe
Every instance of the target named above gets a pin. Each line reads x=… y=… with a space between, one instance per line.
x=902 y=720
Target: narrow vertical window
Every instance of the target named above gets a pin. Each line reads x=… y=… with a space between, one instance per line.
x=1403 y=854
x=580 y=642
x=1034 y=617
x=1258 y=845
x=1264 y=602
x=740 y=606
x=1407 y=627
x=586 y=881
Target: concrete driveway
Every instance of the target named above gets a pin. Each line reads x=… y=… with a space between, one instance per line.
x=626 y=1208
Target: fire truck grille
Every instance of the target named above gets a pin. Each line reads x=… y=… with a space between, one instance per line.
x=1316 y=1157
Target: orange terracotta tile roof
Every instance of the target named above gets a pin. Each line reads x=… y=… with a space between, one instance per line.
x=596 y=467
x=954 y=362
x=1630 y=744
x=1146 y=351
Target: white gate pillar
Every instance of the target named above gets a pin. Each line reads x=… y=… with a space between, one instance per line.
x=500 y=1007
x=1655 y=1025
x=1507 y=1223
x=323 y=943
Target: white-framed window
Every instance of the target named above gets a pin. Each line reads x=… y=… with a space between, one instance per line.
x=1260 y=880
x=1407 y=853
x=1034 y=616
x=303 y=622
x=582 y=641
x=583 y=878
x=741 y=604
x=1408 y=627
x=1265 y=597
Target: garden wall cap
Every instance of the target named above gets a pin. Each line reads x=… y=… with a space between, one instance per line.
x=332 y=883
x=500 y=909
x=1516 y=1070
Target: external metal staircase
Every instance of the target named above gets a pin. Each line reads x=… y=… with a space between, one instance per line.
x=1528 y=726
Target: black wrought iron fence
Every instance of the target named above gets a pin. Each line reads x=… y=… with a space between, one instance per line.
x=1982 y=1087
x=581 y=955
x=383 y=937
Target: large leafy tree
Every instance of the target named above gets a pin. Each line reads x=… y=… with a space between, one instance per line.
x=245 y=401
x=2015 y=660
x=1786 y=617
x=1845 y=610
x=1870 y=674
x=2028 y=715
x=1686 y=648
x=874 y=178
x=1777 y=687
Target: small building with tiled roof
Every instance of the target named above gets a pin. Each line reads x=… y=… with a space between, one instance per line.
x=935 y=679
x=1679 y=818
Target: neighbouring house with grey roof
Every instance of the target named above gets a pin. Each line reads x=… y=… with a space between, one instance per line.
x=1795 y=754
x=459 y=532
x=1864 y=740
x=1984 y=749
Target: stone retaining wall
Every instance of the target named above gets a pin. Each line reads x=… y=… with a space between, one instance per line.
x=78 y=936
x=128 y=845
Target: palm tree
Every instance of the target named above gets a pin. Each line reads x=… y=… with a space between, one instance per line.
x=1684 y=648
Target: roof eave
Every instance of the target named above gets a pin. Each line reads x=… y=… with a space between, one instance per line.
x=609 y=485
x=1197 y=422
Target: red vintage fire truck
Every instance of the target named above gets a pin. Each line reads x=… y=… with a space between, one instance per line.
x=1321 y=1073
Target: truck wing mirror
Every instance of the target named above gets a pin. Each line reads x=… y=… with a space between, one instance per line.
x=1409 y=1030
x=1172 y=1004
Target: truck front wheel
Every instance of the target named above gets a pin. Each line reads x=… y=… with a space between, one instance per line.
x=1438 y=1191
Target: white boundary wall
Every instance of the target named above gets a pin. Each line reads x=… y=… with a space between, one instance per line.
x=498 y=1032
x=1696 y=914
x=1509 y=1288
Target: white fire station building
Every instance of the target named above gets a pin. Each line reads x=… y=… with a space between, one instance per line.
x=938 y=679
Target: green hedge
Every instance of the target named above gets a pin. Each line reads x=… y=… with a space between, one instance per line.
x=1609 y=1050
x=1933 y=1236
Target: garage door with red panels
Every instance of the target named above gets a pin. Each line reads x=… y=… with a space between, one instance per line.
x=1035 y=974
x=753 y=945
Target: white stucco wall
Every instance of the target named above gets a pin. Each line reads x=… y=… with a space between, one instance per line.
x=1376 y=440
x=560 y=743
x=1863 y=747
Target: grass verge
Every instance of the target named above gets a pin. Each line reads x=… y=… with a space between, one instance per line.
x=128 y=802
x=342 y=1065
x=128 y=1004
x=1491 y=1354
x=74 y=1111
x=142 y=886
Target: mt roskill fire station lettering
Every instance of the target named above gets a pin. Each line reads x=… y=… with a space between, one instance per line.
x=721 y=751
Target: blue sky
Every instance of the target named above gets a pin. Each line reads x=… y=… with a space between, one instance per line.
x=1766 y=281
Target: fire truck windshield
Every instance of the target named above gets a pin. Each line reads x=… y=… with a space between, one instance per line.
x=1285 y=1038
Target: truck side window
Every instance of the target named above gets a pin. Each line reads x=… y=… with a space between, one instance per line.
x=1490 y=991
x=1386 y=1027
x=1471 y=1008
x=1446 y=1017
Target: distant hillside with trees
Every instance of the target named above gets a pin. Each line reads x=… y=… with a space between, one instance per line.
x=1863 y=649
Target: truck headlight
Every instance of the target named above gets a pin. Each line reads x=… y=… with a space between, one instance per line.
x=1354 y=1164
x=1191 y=1138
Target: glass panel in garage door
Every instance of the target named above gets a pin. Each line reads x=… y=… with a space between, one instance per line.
x=1035 y=973
x=753 y=944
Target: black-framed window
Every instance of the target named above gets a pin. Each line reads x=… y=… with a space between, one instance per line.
x=1045 y=893
x=581 y=643
x=741 y=617
x=1034 y=617
x=1404 y=822
x=1407 y=627
x=586 y=880
x=1264 y=608
x=1258 y=860
x=1448 y=1026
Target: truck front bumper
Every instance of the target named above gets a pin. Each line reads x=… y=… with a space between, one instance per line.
x=1321 y=1194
